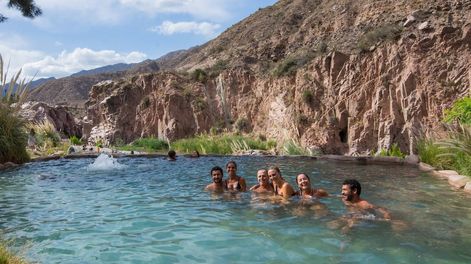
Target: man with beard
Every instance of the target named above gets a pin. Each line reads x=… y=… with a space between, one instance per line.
x=218 y=183
x=351 y=190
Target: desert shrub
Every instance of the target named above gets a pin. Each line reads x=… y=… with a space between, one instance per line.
x=459 y=112
x=13 y=138
x=290 y=65
x=382 y=33
x=199 y=75
x=308 y=97
x=242 y=124
x=199 y=103
x=217 y=68
x=45 y=135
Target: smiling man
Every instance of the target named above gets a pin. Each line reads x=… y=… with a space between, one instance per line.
x=351 y=190
x=218 y=184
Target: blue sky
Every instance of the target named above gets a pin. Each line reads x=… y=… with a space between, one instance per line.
x=74 y=35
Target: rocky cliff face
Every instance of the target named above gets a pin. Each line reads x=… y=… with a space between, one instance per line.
x=389 y=87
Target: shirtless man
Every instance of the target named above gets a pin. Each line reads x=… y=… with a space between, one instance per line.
x=280 y=186
x=351 y=190
x=306 y=190
x=263 y=185
x=218 y=183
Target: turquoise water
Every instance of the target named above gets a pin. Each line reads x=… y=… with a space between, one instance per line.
x=154 y=211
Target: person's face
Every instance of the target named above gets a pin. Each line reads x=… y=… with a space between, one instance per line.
x=303 y=182
x=347 y=194
x=273 y=174
x=262 y=177
x=217 y=176
x=231 y=169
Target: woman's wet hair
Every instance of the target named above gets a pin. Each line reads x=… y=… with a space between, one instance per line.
x=233 y=162
x=275 y=168
x=354 y=185
x=305 y=174
x=216 y=168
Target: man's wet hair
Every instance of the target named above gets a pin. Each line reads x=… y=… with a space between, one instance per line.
x=233 y=162
x=354 y=185
x=172 y=154
x=216 y=168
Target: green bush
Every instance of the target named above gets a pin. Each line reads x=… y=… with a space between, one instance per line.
x=75 y=140
x=430 y=153
x=460 y=112
x=7 y=256
x=290 y=65
x=199 y=75
x=393 y=151
x=13 y=138
x=385 y=32
x=150 y=144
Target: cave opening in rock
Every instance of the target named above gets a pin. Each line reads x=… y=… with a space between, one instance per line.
x=343 y=134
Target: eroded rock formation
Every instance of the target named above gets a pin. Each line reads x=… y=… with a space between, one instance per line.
x=341 y=101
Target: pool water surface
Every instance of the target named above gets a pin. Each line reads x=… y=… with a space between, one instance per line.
x=150 y=210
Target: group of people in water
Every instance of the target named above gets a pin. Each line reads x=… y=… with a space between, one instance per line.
x=270 y=182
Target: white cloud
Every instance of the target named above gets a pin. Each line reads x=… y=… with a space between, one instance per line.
x=39 y=64
x=170 y=28
x=208 y=9
x=79 y=59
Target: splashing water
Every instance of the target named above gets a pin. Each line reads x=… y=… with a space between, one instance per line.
x=105 y=162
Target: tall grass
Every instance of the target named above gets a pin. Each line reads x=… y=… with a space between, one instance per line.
x=13 y=138
x=7 y=257
x=221 y=144
x=149 y=144
x=45 y=135
x=291 y=147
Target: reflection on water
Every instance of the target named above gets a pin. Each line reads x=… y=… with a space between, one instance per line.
x=147 y=210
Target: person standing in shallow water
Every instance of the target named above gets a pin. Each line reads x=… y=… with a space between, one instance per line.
x=234 y=182
x=218 y=183
x=305 y=188
x=280 y=186
x=263 y=185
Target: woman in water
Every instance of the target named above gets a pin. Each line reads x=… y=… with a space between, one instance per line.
x=306 y=190
x=280 y=186
x=234 y=182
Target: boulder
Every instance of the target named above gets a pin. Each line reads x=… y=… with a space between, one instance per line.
x=412 y=159
x=409 y=20
x=59 y=116
x=425 y=167
x=467 y=187
x=445 y=174
x=458 y=181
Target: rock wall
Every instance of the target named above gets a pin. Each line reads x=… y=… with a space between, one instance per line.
x=339 y=103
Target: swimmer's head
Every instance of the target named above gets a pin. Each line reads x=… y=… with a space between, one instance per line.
x=217 y=174
x=303 y=181
x=262 y=177
x=351 y=188
x=231 y=168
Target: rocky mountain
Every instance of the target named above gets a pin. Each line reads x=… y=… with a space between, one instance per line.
x=73 y=90
x=105 y=69
x=345 y=77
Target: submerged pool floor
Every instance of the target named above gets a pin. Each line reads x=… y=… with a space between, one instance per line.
x=153 y=211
